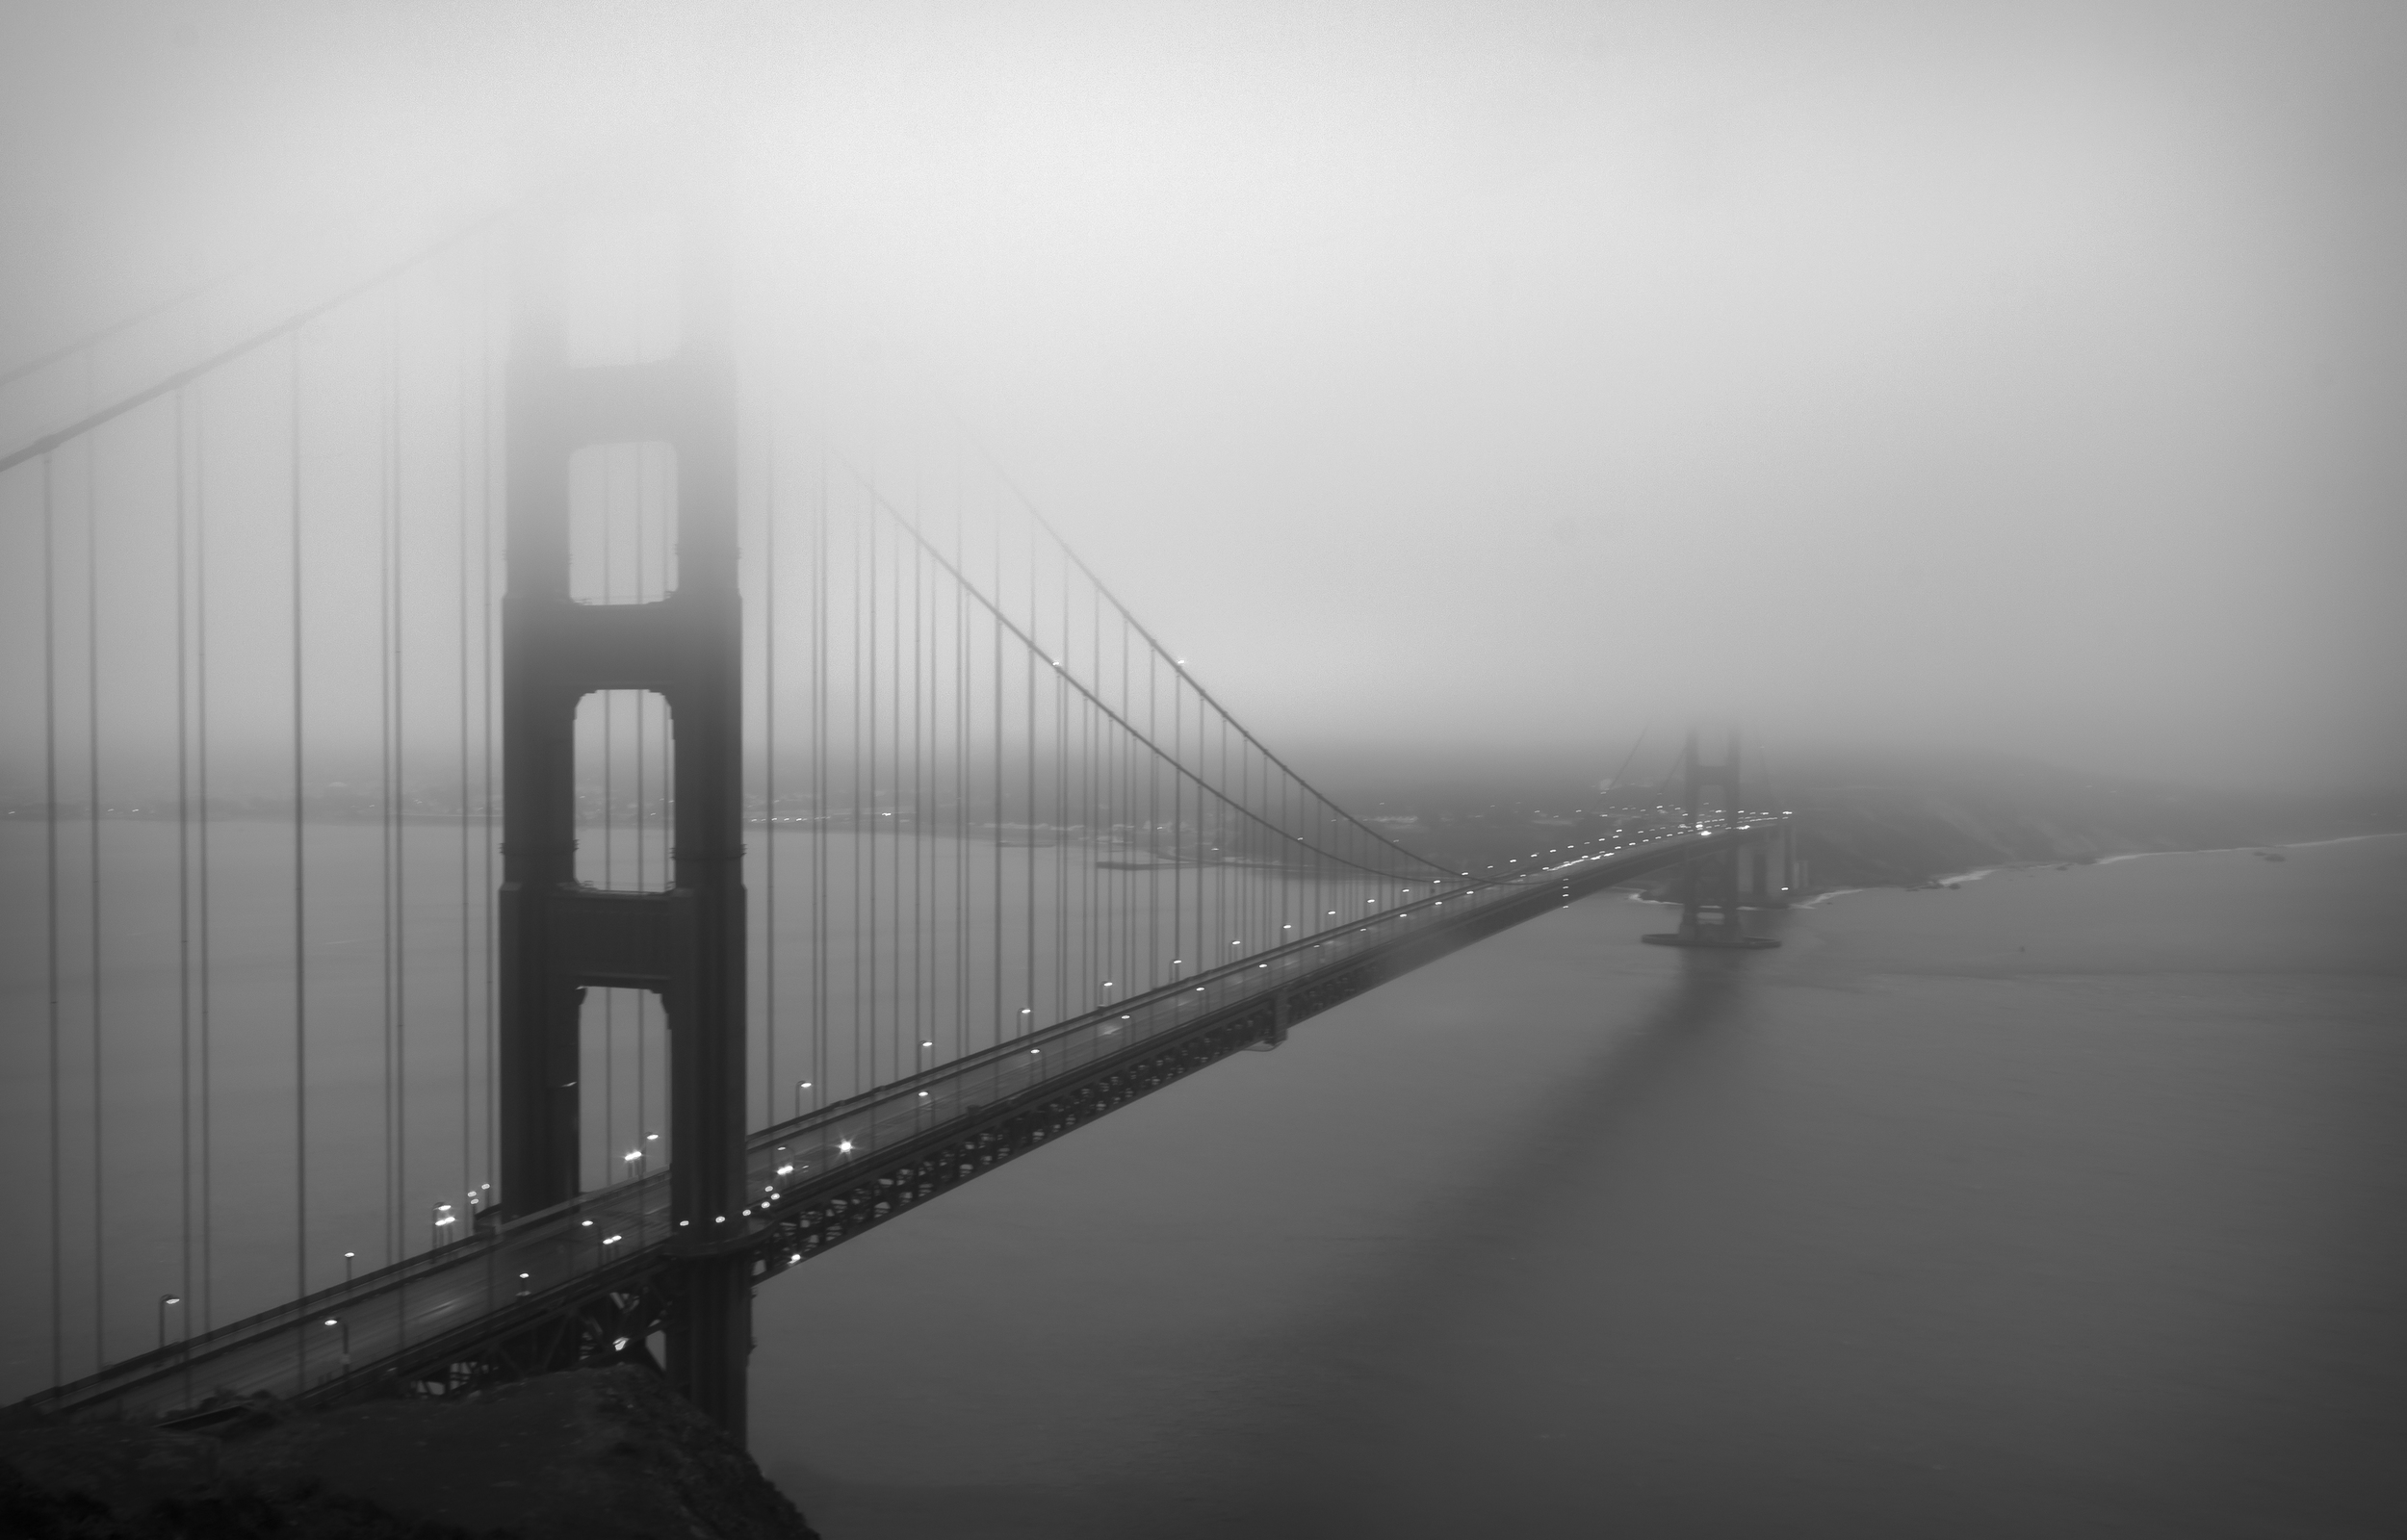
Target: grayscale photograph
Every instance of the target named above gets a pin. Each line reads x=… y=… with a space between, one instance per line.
x=910 y=770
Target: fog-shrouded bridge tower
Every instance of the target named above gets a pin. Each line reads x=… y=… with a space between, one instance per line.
x=1710 y=883
x=557 y=937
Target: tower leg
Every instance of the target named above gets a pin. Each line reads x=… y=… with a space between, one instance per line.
x=709 y=1338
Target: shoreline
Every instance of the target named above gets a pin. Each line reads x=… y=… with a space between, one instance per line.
x=1976 y=874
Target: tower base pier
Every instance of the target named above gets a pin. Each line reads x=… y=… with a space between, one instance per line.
x=1710 y=941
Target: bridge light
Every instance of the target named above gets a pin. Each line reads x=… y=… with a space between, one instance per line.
x=843 y=1146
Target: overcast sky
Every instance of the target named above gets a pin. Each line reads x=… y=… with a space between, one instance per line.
x=2015 y=376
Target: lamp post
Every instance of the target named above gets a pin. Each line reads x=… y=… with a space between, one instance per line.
x=349 y=1257
x=443 y=1217
x=800 y=1086
x=165 y=1301
x=344 y=1327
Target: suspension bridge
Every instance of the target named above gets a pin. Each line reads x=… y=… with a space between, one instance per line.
x=533 y=811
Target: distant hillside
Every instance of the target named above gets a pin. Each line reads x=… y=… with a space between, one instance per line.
x=1902 y=822
x=1912 y=824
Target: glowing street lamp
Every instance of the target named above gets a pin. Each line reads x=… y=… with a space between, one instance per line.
x=344 y=1327
x=165 y=1301
x=442 y=1217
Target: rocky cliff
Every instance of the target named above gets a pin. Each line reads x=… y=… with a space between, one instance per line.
x=594 y=1454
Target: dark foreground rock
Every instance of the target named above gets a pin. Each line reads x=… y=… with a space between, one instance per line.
x=595 y=1455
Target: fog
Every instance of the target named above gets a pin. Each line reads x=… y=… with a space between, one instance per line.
x=1468 y=381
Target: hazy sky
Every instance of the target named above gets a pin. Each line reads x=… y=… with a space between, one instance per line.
x=2016 y=375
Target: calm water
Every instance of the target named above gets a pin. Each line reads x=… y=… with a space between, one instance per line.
x=2066 y=1203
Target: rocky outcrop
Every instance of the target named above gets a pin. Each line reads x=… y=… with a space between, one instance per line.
x=594 y=1454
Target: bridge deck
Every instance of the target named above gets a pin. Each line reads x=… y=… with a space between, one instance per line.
x=821 y=1177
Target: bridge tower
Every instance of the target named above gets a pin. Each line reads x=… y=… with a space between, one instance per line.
x=1710 y=883
x=557 y=937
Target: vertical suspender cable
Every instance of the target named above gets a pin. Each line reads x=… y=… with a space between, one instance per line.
x=1069 y=801
x=50 y=881
x=605 y=520
x=400 y=792
x=460 y=594
x=301 y=885
x=183 y=875
x=919 y=820
x=996 y=662
x=200 y=758
x=486 y=466
x=1178 y=820
x=868 y=1008
x=894 y=842
x=92 y=767
x=957 y=724
x=818 y=789
x=853 y=863
x=768 y=781
x=609 y=834
x=1028 y=671
x=395 y=1236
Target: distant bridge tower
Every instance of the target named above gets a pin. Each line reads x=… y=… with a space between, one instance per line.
x=558 y=938
x=1710 y=881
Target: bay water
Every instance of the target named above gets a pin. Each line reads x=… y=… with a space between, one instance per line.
x=2065 y=1202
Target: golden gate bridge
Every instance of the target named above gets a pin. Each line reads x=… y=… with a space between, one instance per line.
x=534 y=811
